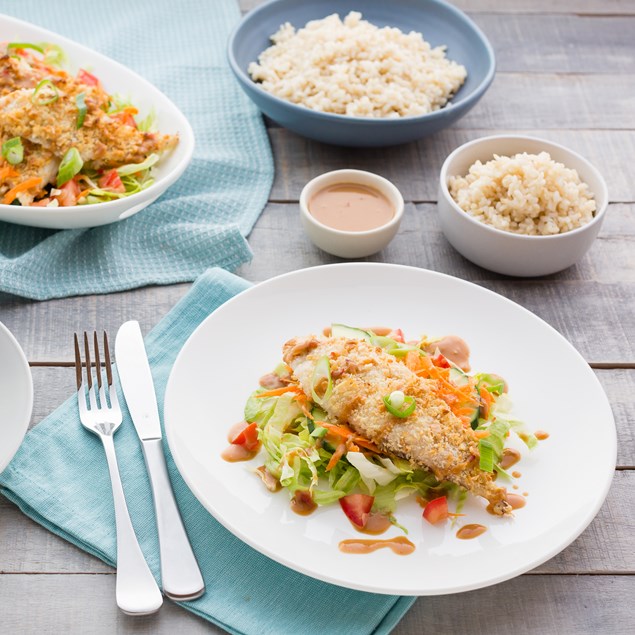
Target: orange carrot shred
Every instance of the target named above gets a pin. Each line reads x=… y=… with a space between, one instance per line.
x=276 y=392
x=337 y=455
x=10 y=196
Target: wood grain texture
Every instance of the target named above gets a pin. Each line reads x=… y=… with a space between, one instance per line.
x=541 y=43
x=555 y=101
x=529 y=605
x=570 y=7
x=583 y=302
x=414 y=168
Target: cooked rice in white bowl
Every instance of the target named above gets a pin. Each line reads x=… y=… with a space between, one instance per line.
x=525 y=194
x=355 y=68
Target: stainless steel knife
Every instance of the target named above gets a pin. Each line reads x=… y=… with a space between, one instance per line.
x=180 y=574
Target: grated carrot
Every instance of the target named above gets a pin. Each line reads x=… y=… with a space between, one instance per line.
x=276 y=392
x=10 y=196
x=7 y=172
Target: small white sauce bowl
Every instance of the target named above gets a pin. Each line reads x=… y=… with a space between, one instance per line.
x=506 y=252
x=350 y=244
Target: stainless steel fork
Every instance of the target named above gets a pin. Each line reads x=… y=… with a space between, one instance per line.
x=137 y=592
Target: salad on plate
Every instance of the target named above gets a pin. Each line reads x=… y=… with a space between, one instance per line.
x=364 y=418
x=65 y=140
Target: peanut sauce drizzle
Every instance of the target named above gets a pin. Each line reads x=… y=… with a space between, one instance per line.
x=399 y=545
x=467 y=532
x=235 y=453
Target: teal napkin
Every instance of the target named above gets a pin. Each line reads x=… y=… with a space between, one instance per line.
x=202 y=220
x=59 y=477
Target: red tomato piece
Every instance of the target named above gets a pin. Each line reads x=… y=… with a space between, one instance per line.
x=111 y=181
x=125 y=118
x=441 y=362
x=357 y=508
x=70 y=192
x=397 y=335
x=86 y=78
x=247 y=437
x=436 y=510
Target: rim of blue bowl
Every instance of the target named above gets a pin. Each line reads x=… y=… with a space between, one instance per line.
x=474 y=96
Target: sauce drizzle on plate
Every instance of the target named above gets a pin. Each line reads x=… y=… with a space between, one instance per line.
x=467 y=532
x=399 y=545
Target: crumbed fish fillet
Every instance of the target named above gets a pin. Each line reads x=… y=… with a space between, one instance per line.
x=433 y=437
x=102 y=140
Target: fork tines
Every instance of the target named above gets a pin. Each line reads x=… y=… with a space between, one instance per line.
x=88 y=364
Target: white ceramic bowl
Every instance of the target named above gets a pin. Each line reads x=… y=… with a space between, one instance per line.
x=351 y=244
x=506 y=252
x=16 y=396
x=116 y=78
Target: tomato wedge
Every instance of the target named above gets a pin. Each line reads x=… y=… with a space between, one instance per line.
x=440 y=361
x=111 y=181
x=86 y=78
x=436 y=510
x=357 y=508
x=69 y=192
x=397 y=335
x=247 y=437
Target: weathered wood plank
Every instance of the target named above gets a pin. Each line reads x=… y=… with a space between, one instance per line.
x=606 y=546
x=555 y=101
x=541 y=605
x=583 y=302
x=529 y=605
x=575 y=7
x=415 y=167
x=543 y=43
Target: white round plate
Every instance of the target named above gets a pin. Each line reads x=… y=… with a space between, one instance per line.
x=567 y=476
x=16 y=396
x=116 y=78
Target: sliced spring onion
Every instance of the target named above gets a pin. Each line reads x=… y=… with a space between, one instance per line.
x=133 y=168
x=13 y=151
x=350 y=332
x=53 y=54
x=393 y=347
x=487 y=456
x=491 y=448
x=80 y=100
x=322 y=375
x=45 y=93
x=70 y=166
x=25 y=45
x=399 y=405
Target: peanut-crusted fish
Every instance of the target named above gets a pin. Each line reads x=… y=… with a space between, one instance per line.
x=432 y=437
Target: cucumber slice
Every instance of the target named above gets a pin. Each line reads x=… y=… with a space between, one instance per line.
x=350 y=332
x=458 y=377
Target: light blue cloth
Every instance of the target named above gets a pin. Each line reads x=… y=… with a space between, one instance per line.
x=202 y=220
x=60 y=479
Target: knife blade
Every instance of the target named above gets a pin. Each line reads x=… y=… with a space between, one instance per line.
x=180 y=574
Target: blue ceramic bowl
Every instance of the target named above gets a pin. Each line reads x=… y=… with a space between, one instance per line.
x=439 y=23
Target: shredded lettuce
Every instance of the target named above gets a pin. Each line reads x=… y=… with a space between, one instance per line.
x=134 y=168
x=501 y=411
x=299 y=447
x=370 y=473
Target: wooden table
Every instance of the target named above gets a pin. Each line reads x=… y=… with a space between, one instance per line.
x=566 y=71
